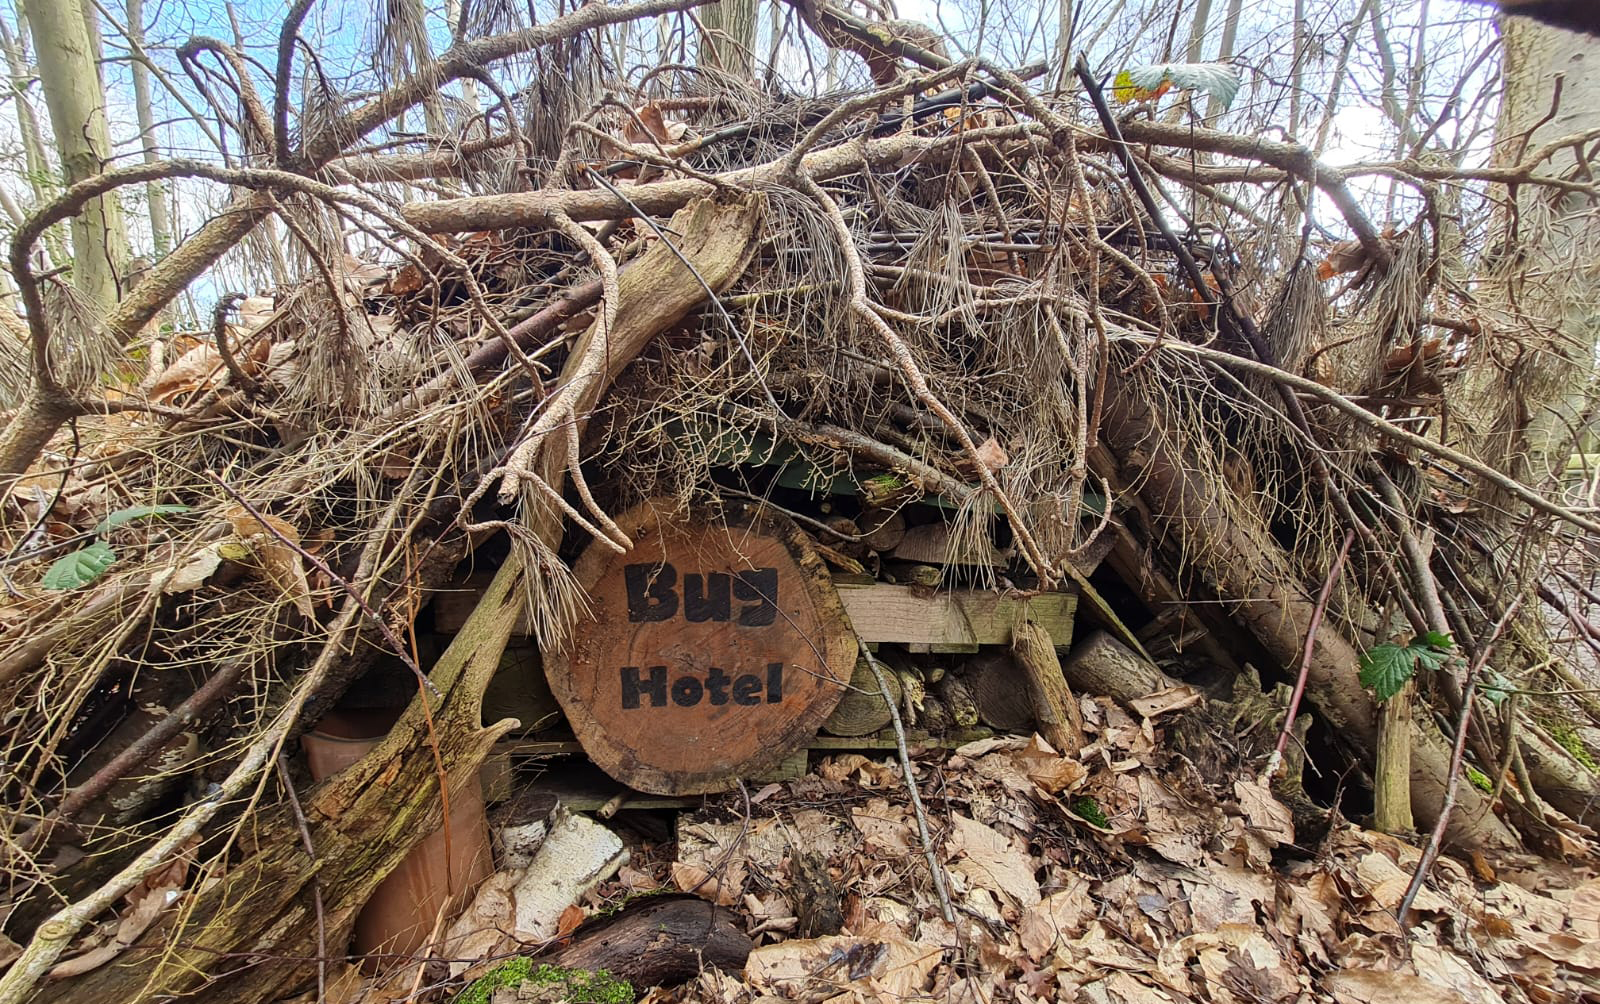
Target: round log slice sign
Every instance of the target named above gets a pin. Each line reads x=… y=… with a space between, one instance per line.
x=716 y=649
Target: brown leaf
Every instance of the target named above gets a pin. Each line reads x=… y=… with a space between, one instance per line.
x=280 y=562
x=1265 y=814
x=571 y=918
x=1056 y=919
x=1163 y=701
x=990 y=861
x=1361 y=986
x=1343 y=257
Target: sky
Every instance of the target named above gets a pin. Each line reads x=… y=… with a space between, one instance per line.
x=1012 y=30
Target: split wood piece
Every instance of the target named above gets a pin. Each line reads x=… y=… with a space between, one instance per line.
x=660 y=942
x=577 y=855
x=717 y=648
x=934 y=544
x=1055 y=709
x=995 y=681
x=1100 y=664
x=862 y=710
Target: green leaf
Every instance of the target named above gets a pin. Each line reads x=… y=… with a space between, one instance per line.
x=122 y=516
x=1436 y=639
x=1216 y=80
x=1495 y=688
x=79 y=568
x=1386 y=668
x=1429 y=658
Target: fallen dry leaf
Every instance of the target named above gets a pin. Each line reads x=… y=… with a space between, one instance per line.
x=1365 y=986
x=877 y=965
x=990 y=861
x=279 y=561
x=1056 y=919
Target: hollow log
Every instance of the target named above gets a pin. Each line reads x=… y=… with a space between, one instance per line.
x=1248 y=569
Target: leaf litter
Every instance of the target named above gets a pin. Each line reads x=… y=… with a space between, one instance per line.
x=1194 y=890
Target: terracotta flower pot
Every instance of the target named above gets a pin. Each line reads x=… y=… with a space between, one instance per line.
x=440 y=874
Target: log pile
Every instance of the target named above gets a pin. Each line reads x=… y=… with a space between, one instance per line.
x=941 y=331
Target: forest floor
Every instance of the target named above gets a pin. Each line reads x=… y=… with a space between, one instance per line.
x=1129 y=873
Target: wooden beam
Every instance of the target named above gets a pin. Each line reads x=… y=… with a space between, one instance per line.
x=959 y=618
x=944 y=620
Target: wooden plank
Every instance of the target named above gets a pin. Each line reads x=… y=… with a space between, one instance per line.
x=945 y=621
x=911 y=615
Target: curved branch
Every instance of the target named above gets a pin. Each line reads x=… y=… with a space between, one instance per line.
x=280 y=80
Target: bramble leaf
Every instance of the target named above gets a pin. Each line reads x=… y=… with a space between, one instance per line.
x=122 y=516
x=1386 y=668
x=1437 y=640
x=1142 y=83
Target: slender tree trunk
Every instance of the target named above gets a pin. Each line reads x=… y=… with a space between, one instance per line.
x=155 y=191
x=69 y=73
x=1230 y=35
x=1545 y=290
x=728 y=42
x=1063 y=42
x=1197 y=32
x=35 y=154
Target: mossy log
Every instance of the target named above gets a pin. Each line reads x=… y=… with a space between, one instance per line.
x=252 y=937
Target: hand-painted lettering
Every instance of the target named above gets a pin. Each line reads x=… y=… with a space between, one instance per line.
x=760 y=585
x=652 y=690
x=705 y=597
x=747 y=690
x=653 y=595
x=650 y=593
x=686 y=691
x=633 y=689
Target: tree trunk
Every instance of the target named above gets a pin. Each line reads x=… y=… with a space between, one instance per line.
x=69 y=73
x=728 y=38
x=1247 y=569
x=34 y=152
x=1547 y=285
x=155 y=191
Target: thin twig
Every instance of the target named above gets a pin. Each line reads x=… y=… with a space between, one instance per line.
x=1276 y=760
x=928 y=850
x=316 y=881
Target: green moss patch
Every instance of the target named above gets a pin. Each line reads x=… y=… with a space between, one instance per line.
x=555 y=985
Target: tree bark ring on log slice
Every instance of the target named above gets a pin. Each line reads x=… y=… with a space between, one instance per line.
x=717 y=647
